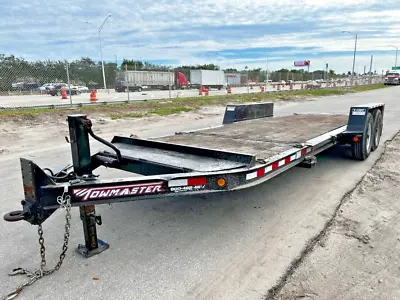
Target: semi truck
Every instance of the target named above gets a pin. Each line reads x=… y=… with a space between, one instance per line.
x=208 y=79
x=141 y=80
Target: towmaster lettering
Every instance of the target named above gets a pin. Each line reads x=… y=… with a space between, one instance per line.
x=117 y=191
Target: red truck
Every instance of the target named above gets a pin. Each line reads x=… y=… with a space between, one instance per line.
x=392 y=78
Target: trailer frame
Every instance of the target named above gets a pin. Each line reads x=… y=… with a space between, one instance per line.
x=43 y=187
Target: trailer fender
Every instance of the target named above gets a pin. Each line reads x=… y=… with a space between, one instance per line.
x=364 y=129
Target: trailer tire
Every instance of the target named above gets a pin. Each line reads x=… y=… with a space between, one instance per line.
x=362 y=149
x=378 y=125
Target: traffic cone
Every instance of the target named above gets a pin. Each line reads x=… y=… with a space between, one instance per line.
x=64 y=94
x=229 y=90
x=93 y=97
x=200 y=92
x=291 y=86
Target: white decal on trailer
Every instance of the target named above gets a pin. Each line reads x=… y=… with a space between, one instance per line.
x=358 y=111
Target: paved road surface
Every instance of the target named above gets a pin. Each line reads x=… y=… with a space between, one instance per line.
x=228 y=246
x=9 y=101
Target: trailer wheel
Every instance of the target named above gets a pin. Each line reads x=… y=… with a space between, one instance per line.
x=362 y=149
x=378 y=125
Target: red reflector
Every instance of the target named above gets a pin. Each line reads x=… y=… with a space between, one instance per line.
x=197 y=181
x=287 y=160
x=303 y=152
x=275 y=165
x=260 y=172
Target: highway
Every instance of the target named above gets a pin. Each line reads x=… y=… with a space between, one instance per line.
x=111 y=95
x=227 y=246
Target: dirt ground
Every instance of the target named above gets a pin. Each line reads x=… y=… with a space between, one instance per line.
x=358 y=255
x=28 y=135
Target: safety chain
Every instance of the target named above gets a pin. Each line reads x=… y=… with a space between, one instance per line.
x=65 y=203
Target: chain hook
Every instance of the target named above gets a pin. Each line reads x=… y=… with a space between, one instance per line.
x=65 y=203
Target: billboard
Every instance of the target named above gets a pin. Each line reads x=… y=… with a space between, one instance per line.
x=302 y=63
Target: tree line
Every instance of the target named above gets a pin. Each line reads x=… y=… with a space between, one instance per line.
x=87 y=72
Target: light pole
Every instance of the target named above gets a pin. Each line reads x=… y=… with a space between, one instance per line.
x=355 y=50
x=101 y=49
x=266 y=82
x=397 y=50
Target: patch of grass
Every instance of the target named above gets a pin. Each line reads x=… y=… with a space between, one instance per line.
x=116 y=116
x=361 y=88
x=165 y=107
x=165 y=111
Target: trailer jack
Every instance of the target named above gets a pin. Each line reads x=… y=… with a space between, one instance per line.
x=92 y=245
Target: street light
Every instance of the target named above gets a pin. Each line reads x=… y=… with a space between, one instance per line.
x=101 y=49
x=397 y=50
x=355 y=49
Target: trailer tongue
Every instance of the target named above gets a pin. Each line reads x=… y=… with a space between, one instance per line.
x=249 y=148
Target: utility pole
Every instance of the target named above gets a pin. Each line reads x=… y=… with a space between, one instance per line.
x=397 y=50
x=365 y=70
x=266 y=83
x=101 y=48
x=370 y=70
x=354 y=57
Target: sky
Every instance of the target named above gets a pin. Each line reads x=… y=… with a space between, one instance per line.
x=230 y=33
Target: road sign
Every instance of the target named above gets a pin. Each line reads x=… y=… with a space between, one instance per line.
x=395 y=68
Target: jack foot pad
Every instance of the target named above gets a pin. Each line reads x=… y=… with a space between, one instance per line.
x=89 y=253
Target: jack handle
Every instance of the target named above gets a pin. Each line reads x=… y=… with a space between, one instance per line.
x=88 y=126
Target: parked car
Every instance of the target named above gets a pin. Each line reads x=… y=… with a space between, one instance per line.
x=81 y=88
x=56 y=90
x=46 y=86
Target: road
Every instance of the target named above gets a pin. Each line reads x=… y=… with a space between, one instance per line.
x=31 y=100
x=227 y=246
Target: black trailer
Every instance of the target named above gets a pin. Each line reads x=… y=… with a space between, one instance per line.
x=249 y=148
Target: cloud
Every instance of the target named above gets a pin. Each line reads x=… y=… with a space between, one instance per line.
x=226 y=32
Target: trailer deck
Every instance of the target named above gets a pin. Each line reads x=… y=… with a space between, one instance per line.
x=262 y=138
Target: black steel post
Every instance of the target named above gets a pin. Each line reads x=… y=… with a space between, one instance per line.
x=81 y=159
x=80 y=147
x=92 y=245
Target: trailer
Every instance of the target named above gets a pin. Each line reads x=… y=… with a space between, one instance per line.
x=208 y=79
x=141 y=80
x=249 y=148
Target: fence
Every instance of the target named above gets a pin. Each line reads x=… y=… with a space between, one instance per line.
x=24 y=83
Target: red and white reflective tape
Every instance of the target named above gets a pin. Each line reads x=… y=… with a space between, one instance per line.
x=194 y=181
x=277 y=164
